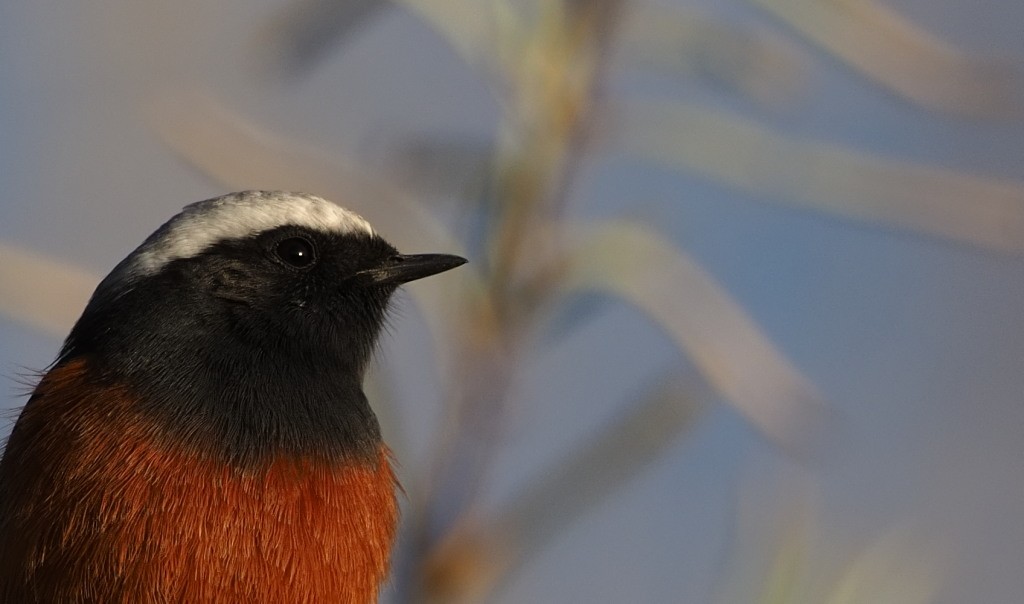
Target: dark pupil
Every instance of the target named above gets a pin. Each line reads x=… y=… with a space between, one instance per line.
x=296 y=251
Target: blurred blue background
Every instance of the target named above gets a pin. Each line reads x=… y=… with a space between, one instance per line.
x=914 y=341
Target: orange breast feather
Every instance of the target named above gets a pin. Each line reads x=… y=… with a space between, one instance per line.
x=97 y=508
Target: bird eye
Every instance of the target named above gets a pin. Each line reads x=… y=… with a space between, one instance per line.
x=296 y=251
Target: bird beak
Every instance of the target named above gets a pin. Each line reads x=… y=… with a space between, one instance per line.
x=402 y=268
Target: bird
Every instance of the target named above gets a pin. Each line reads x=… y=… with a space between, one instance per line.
x=203 y=434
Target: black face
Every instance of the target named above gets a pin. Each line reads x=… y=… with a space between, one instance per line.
x=254 y=347
x=299 y=285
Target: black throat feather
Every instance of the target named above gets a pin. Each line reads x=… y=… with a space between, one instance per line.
x=247 y=383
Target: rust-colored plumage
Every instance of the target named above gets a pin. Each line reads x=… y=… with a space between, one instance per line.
x=97 y=505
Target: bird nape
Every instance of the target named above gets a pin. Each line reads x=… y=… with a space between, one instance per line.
x=203 y=435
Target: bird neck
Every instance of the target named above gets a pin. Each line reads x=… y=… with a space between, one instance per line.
x=219 y=388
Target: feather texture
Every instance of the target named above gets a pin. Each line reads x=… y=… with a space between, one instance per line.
x=96 y=507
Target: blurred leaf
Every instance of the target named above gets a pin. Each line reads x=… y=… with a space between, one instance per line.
x=687 y=42
x=305 y=30
x=893 y=52
x=41 y=292
x=548 y=505
x=889 y=572
x=784 y=556
x=234 y=152
x=775 y=530
x=635 y=264
x=971 y=209
x=789 y=562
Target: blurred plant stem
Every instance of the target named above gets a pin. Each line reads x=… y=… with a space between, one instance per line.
x=551 y=71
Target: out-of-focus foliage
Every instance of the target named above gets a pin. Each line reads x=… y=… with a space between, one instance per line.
x=786 y=560
x=881 y=45
x=51 y=303
x=887 y=191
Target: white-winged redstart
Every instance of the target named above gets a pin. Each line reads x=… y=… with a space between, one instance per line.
x=203 y=435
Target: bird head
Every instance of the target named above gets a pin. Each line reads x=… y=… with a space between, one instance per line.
x=247 y=321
